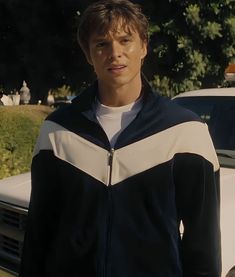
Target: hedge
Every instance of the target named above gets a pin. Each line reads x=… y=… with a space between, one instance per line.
x=19 y=128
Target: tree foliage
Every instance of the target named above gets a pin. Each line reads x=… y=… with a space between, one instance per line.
x=191 y=44
x=38 y=44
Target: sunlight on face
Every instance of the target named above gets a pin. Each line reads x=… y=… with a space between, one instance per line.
x=117 y=55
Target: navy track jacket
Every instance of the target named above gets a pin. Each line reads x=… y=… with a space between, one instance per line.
x=102 y=212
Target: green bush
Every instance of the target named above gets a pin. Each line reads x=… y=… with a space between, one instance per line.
x=61 y=92
x=19 y=128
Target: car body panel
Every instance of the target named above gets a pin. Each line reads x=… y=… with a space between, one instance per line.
x=227 y=218
x=16 y=190
x=208 y=92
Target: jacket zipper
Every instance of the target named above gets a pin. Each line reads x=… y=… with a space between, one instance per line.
x=110 y=164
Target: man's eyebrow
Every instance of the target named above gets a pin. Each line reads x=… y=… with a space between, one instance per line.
x=98 y=39
x=126 y=36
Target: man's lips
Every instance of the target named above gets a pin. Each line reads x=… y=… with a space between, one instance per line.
x=116 y=68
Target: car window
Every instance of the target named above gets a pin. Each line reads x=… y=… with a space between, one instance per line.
x=219 y=114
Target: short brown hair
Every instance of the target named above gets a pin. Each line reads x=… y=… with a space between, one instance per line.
x=102 y=15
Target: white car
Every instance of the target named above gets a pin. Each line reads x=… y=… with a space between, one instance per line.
x=217 y=108
x=14 y=201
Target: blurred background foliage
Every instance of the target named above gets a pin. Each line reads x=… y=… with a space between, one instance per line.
x=61 y=92
x=191 y=43
x=19 y=128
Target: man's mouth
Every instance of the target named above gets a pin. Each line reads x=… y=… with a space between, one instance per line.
x=116 y=68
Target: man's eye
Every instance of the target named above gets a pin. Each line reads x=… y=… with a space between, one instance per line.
x=126 y=40
x=100 y=44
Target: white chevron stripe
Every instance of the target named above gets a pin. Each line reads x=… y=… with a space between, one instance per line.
x=75 y=150
x=189 y=137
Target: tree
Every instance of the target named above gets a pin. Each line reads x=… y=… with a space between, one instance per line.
x=191 y=44
x=38 y=44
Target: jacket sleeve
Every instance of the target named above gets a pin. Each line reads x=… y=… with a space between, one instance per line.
x=198 y=203
x=42 y=216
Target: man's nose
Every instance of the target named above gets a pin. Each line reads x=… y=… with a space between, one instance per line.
x=115 y=50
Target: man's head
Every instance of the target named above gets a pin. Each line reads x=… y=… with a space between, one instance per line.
x=107 y=15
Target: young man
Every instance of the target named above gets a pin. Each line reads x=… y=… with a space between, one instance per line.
x=115 y=172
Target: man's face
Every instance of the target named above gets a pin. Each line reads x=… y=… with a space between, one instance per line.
x=117 y=56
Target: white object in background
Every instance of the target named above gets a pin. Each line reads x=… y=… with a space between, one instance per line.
x=25 y=94
x=15 y=98
x=50 y=99
x=6 y=100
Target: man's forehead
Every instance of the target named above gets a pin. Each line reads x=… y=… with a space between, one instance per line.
x=118 y=28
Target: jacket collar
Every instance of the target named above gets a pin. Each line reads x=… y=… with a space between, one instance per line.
x=87 y=97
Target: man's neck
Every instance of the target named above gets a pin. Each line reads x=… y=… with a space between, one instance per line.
x=116 y=96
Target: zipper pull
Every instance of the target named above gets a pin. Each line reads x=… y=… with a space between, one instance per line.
x=110 y=161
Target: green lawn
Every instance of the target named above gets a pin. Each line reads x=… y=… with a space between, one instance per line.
x=4 y=274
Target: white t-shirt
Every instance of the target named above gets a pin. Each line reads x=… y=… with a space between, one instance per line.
x=115 y=119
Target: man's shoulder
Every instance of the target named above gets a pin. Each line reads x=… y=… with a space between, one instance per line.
x=174 y=114
x=60 y=113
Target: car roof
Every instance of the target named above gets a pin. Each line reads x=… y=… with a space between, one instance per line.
x=208 y=92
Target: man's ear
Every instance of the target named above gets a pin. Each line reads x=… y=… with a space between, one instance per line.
x=144 y=49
